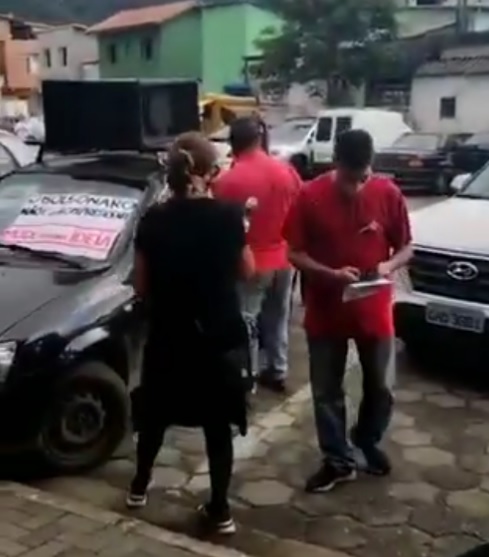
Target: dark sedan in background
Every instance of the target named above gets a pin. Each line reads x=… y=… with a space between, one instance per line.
x=421 y=161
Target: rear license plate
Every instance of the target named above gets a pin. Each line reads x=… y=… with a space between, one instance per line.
x=454 y=317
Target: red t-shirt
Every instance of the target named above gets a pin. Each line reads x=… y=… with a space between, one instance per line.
x=275 y=185
x=336 y=232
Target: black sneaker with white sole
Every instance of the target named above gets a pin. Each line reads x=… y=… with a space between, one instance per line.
x=377 y=462
x=327 y=477
x=221 y=523
x=137 y=496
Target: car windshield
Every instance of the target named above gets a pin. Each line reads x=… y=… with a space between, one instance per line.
x=478 y=186
x=81 y=220
x=424 y=141
x=23 y=154
x=478 y=139
x=292 y=131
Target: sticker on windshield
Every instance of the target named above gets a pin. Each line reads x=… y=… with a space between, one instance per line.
x=82 y=225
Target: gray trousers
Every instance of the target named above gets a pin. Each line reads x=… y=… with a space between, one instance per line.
x=265 y=303
x=327 y=363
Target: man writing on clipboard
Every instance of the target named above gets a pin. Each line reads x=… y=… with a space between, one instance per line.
x=346 y=226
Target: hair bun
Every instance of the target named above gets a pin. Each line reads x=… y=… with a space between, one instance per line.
x=181 y=159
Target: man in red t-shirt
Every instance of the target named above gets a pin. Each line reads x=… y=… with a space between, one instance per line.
x=273 y=185
x=344 y=225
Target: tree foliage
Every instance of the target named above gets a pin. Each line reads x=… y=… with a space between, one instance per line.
x=327 y=40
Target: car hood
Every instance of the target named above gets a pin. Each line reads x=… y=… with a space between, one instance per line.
x=285 y=147
x=405 y=152
x=24 y=291
x=457 y=224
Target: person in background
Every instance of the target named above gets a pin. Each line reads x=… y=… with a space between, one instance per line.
x=274 y=185
x=344 y=225
x=191 y=252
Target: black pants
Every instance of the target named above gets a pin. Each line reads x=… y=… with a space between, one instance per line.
x=219 y=447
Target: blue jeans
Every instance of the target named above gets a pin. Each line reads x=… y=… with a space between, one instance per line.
x=327 y=364
x=265 y=303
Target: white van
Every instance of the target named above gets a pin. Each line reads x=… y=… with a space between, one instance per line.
x=385 y=127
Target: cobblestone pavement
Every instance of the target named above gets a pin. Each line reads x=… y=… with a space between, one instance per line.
x=36 y=524
x=435 y=504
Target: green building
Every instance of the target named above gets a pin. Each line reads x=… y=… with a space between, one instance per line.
x=206 y=40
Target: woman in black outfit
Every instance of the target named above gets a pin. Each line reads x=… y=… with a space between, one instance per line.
x=190 y=253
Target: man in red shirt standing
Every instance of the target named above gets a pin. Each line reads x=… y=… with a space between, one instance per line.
x=274 y=185
x=344 y=225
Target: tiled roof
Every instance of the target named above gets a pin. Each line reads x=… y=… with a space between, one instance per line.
x=127 y=19
x=461 y=60
x=455 y=66
x=472 y=51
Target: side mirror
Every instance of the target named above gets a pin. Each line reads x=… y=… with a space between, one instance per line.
x=459 y=182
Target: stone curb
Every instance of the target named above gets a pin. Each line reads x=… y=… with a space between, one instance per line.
x=109 y=518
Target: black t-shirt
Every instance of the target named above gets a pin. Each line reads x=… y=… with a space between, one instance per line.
x=192 y=249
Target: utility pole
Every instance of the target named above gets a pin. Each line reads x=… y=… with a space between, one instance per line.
x=462 y=17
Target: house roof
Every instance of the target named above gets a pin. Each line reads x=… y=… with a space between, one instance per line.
x=462 y=61
x=127 y=19
x=75 y=26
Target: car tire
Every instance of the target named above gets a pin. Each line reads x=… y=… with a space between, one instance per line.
x=442 y=185
x=300 y=163
x=91 y=396
x=417 y=352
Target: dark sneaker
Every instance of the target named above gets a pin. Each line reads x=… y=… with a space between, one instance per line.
x=327 y=477
x=378 y=463
x=220 y=523
x=272 y=382
x=137 y=496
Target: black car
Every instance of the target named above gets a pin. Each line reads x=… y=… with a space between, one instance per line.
x=472 y=155
x=71 y=327
x=420 y=161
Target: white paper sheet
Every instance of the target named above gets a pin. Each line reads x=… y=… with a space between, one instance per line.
x=364 y=288
x=82 y=225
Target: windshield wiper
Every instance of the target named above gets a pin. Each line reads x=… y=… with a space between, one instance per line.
x=50 y=255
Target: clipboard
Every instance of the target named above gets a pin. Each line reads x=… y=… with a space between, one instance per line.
x=364 y=288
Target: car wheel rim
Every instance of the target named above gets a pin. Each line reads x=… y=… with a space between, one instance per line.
x=82 y=419
x=77 y=428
